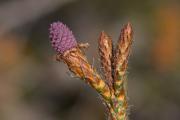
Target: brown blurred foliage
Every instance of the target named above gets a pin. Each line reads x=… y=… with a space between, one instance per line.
x=166 y=46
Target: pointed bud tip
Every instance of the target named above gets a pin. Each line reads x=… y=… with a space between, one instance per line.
x=103 y=34
x=128 y=28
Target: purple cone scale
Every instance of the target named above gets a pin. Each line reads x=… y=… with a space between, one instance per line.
x=62 y=38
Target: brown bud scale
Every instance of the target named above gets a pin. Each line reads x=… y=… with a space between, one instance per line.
x=105 y=51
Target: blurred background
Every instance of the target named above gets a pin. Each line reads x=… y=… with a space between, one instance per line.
x=33 y=86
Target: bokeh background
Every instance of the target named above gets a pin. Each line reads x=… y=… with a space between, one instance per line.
x=33 y=86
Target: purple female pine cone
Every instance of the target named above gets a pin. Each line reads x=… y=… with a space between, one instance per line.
x=62 y=38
